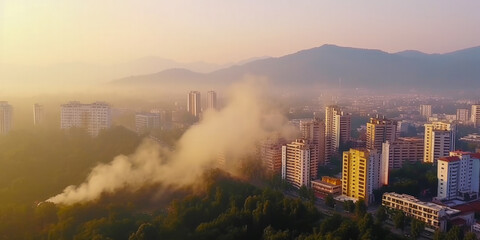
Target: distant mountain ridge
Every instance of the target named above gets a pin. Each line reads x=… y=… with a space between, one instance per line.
x=328 y=65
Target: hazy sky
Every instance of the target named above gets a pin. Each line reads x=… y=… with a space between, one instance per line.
x=39 y=32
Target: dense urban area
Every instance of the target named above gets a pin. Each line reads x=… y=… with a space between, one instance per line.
x=357 y=167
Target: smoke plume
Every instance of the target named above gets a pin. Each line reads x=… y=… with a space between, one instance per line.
x=248 y=118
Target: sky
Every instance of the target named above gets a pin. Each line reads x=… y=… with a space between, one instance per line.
x=34 y=32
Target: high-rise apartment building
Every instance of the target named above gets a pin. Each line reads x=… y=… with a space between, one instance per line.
x=463 y=115
x=38 y=114
x=458 y=176
x=146 y=121
x=439 y=141
x=380 y=130
x=211 y=100
x=337 y=130
x=271 y=155
x=92 y=117
x=6 y=113
x=361 y=173
x=426 y=110
x=475 y=115
x=296 y=163
x=194 y=104
x=314 y=132
x=401 y=151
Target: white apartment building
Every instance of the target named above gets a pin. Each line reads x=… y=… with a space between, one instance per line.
x=91 y=117
x=337 y=130
x=475 y=115
x=439 y=141
x=146 y=121
x=458 y=176
x=426 y=110
x=296 y=163
x=463 y=115
x=433 y=215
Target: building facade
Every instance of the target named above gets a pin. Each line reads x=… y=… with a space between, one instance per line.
x=337 y=130
x=271 y=155
x=145 y=122
x=380 y=130
x=91 y=117
x=6 y=114
x=211 y=100
x=38 y=114
x=326 y=186
x=426 y=110
x=194 y=103
x=433 y=215
x=458 y=176
x=463 y=115
x=439 y=141
x=314 y=132
x=296 y=163
x=475 y=115
x=361 y=173
x=401 y=151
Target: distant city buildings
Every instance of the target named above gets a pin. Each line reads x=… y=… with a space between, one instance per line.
x=337 y=130
x=211 y=100
x=6 y=114
x=426 y=110
x=439 y=141
x=145 y=122
x=91 y=117
x=296 y=163
x=463 y=115
x=361 y=174
x=380 y=130
x=38 y=114
x=194 y=103
x=475 y=115
x=458 y=176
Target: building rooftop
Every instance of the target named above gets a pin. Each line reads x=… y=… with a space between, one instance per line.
x=449 y=159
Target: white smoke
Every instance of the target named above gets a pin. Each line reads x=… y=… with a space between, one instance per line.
x=248 y=118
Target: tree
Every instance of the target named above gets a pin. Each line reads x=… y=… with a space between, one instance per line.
x=438 y=235
x=329 y=201
x=360 y=208
x=146 y=231
x=416 y=227
x=455 y=233
x=306 y=193
x=470 y=236
x=271 y=234
x=399 y=220
x=365 y=223
x=381 y=214
x=349 y=206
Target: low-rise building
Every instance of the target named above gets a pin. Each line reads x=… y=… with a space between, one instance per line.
x=327 y=185
x=433 y=215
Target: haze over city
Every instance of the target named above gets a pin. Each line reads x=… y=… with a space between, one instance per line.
x=239 y=120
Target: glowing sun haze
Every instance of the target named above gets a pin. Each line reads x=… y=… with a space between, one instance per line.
x=46 y=32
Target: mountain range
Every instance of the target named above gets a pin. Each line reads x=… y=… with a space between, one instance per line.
x=338 y=67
